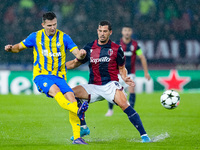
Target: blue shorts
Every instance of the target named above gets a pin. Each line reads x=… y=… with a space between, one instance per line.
x=44 y=82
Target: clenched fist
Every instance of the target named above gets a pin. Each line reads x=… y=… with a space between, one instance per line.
x=129 y=81
x=82 y=53
x=8 y=48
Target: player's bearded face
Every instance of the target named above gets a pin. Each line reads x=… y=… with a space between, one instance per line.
x=127 y=32
x=50 y=26
x=103 y=33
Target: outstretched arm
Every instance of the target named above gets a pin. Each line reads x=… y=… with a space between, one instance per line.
x=123 y=74
x=145 y=67
x=14 y=48
x=79 y=54
x=73 y=64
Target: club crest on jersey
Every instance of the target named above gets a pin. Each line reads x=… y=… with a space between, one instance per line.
x=132 y=48
x=110 y=52
x=58 y=44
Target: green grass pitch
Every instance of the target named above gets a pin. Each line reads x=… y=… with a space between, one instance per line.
x=35 y=122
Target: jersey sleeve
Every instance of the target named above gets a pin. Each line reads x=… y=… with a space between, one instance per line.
x=69 y=44
x=138 y=51
x=29 y=41
x=120 y=57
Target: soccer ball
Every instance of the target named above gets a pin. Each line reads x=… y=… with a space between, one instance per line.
x=170 y=99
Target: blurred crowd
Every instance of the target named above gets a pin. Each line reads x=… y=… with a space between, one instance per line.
x=151 y=19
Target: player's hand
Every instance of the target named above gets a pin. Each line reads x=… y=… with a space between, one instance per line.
x=82 y=53
x=8 y=48
x=129 y=81
x=147 y=76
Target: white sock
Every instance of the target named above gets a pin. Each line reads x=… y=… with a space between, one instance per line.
x=84 y=126
x=144 y=135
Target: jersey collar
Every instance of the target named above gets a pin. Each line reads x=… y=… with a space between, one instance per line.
x=105 y=45
x=51 y=37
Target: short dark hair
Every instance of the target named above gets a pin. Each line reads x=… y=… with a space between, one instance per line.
x=48 y=16
x=127 y=26
x=104 y=23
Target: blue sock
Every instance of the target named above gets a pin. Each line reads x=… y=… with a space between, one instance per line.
x=135 y=119
x=110 y=105
x=79 y=105
x=83 y=122
x=132 y=99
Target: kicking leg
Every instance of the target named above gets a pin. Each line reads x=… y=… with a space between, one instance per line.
x=133 y=116
x=81 y=93
x=71 y=105
x=68 y=105
x=75 y=123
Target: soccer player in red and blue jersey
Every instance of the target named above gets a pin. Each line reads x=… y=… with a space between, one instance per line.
x=131 y=50
x=49 y=71
x=106 y=61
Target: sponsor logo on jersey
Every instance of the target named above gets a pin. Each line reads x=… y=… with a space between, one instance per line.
x=102 y=59
x=45 y=84
x=118 y=85
x=45 y=53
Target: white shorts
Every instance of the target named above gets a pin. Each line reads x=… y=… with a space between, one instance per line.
x=121 y=81
x=101 y=92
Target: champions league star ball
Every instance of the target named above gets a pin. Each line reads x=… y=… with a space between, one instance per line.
x=170 y=99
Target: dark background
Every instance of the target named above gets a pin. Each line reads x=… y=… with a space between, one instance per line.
x=152 y=20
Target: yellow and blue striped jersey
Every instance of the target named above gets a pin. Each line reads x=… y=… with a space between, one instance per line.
x=49 y=52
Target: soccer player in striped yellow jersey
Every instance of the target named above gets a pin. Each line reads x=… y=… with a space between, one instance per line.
x=49 y=72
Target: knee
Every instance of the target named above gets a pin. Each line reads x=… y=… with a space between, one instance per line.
x=123 y=105
x=76 y=90
x=54 y=89
x=80 y=92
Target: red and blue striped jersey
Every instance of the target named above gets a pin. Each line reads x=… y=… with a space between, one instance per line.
x=103 y=61
x=130 y=51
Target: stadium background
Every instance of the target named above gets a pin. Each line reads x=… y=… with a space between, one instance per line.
x=168 y=30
